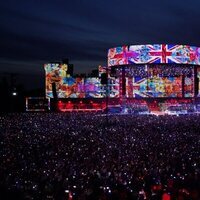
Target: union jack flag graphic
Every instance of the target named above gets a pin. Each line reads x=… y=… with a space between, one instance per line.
x=182 y=54
x=162 y=53
x=154 y=53
x=154 y=87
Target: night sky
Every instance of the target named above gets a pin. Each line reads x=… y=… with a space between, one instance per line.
x=33 y=32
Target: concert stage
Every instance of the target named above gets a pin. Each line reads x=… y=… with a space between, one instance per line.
x=154 y=75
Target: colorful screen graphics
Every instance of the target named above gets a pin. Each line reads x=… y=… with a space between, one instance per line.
x=117 y=56
x=154 y=53
x=189 y=86
x=136 y=87
x=66 y=87
x=198 y=76
x=113 y=87
x=53 y=74
x=72 y=88
x=154 y=87
x=93 y=88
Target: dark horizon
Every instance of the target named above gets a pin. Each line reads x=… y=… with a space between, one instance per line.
x=35 y=32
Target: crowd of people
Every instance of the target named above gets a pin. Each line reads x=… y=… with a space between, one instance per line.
x=162 y=70
x=98 y=157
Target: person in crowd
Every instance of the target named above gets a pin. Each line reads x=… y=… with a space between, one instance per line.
x=87 y=156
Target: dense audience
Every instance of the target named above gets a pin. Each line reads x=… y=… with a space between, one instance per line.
x=90 y=156
x=162 y=70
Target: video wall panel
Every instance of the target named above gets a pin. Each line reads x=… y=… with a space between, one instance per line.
x=54 y=73
x=117 y=56
x=113 y=87
x=72 y=88
x=139 y=86
x=93 y=88
x=189 y=87
x=154 y=53
x=66 y=86
x=136 y=87
x=164 y=87
x=198 y=76
x=154 y=87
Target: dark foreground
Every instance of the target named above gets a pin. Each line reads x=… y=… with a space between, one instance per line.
x=61 y=156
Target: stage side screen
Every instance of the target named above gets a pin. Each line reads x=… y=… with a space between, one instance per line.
x=154 y=87
x=154 y=53
x=66 y=86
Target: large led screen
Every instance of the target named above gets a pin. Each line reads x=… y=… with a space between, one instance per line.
x=188 y=87
x=66 y=87
x=113 y=87
x=198 y=76
x=136 y=87
x=117 y=56
x=154 y=87
x=164 y=87
x=93 y=88
x=54 y=73
x=72 y=88
x=156 y=53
